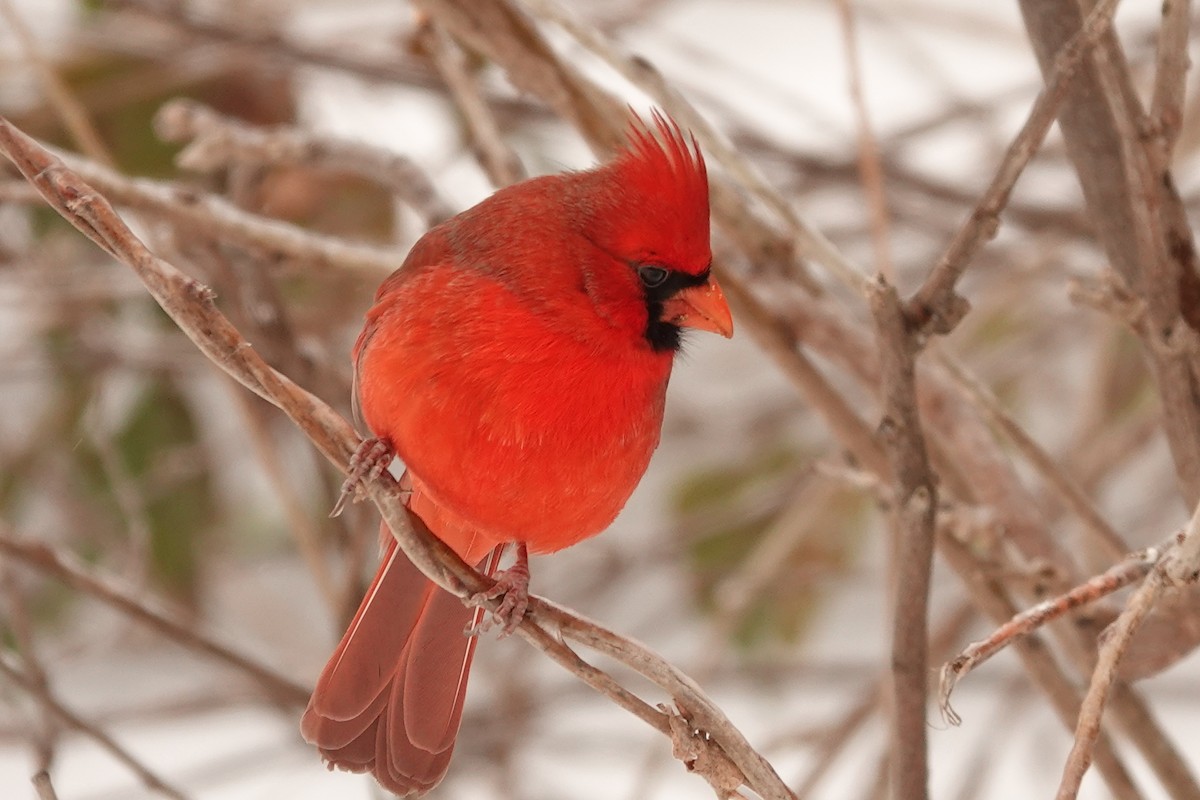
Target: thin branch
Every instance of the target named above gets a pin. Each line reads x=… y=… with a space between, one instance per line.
x=47 y=700
x=1133 y=568
x=1043 y=668
x=1170 y=75
x=935 y=306
x=1180 y=563
x=1092 y=710
x=709 y=719
x=198 y=211
x=1138 y=217
x=66 y=568
x=870 y=165
x=498 y=159
x=1071 y=495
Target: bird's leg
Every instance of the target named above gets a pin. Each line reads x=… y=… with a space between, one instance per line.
x=513 y=585
x=368 y=462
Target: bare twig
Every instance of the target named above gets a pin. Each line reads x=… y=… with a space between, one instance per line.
x=1039 y=663
x=1124 y=574
x=1092 y=710
x=759 y=774
x=935 y=306
x=1137 y=215
x=1178 y=564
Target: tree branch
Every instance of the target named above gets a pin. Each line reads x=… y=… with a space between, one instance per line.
x=914 y=510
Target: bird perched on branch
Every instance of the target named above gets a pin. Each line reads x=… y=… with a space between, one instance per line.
x=517 y=363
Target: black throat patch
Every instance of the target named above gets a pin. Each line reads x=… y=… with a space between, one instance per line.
x=662 y=334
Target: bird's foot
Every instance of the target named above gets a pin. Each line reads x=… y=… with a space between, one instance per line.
x=513 y=585
x=368 y=462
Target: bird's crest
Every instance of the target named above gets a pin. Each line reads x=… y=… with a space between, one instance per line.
x=672 y=158
x=666 y=183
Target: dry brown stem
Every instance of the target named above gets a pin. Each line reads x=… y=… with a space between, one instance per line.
x=1132 y=569
x=1038 y=661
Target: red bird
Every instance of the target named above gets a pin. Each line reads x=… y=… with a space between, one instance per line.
x=517 y=363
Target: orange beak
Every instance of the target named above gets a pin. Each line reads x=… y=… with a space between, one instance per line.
x=701 y=307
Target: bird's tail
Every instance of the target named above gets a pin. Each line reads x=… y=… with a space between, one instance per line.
x=391 y=697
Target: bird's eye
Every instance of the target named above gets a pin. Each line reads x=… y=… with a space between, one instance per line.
x=652 y=276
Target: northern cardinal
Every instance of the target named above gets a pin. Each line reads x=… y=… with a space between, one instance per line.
x=517 y=364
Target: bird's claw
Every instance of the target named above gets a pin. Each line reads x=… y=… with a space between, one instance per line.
x=513 y=585
x=368 y=462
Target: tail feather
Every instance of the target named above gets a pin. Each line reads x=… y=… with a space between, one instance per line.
x=405 y=769
x=390 y=699
x=357 y=754
x=341 y=735
x=433 y=687
x=362 y=666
